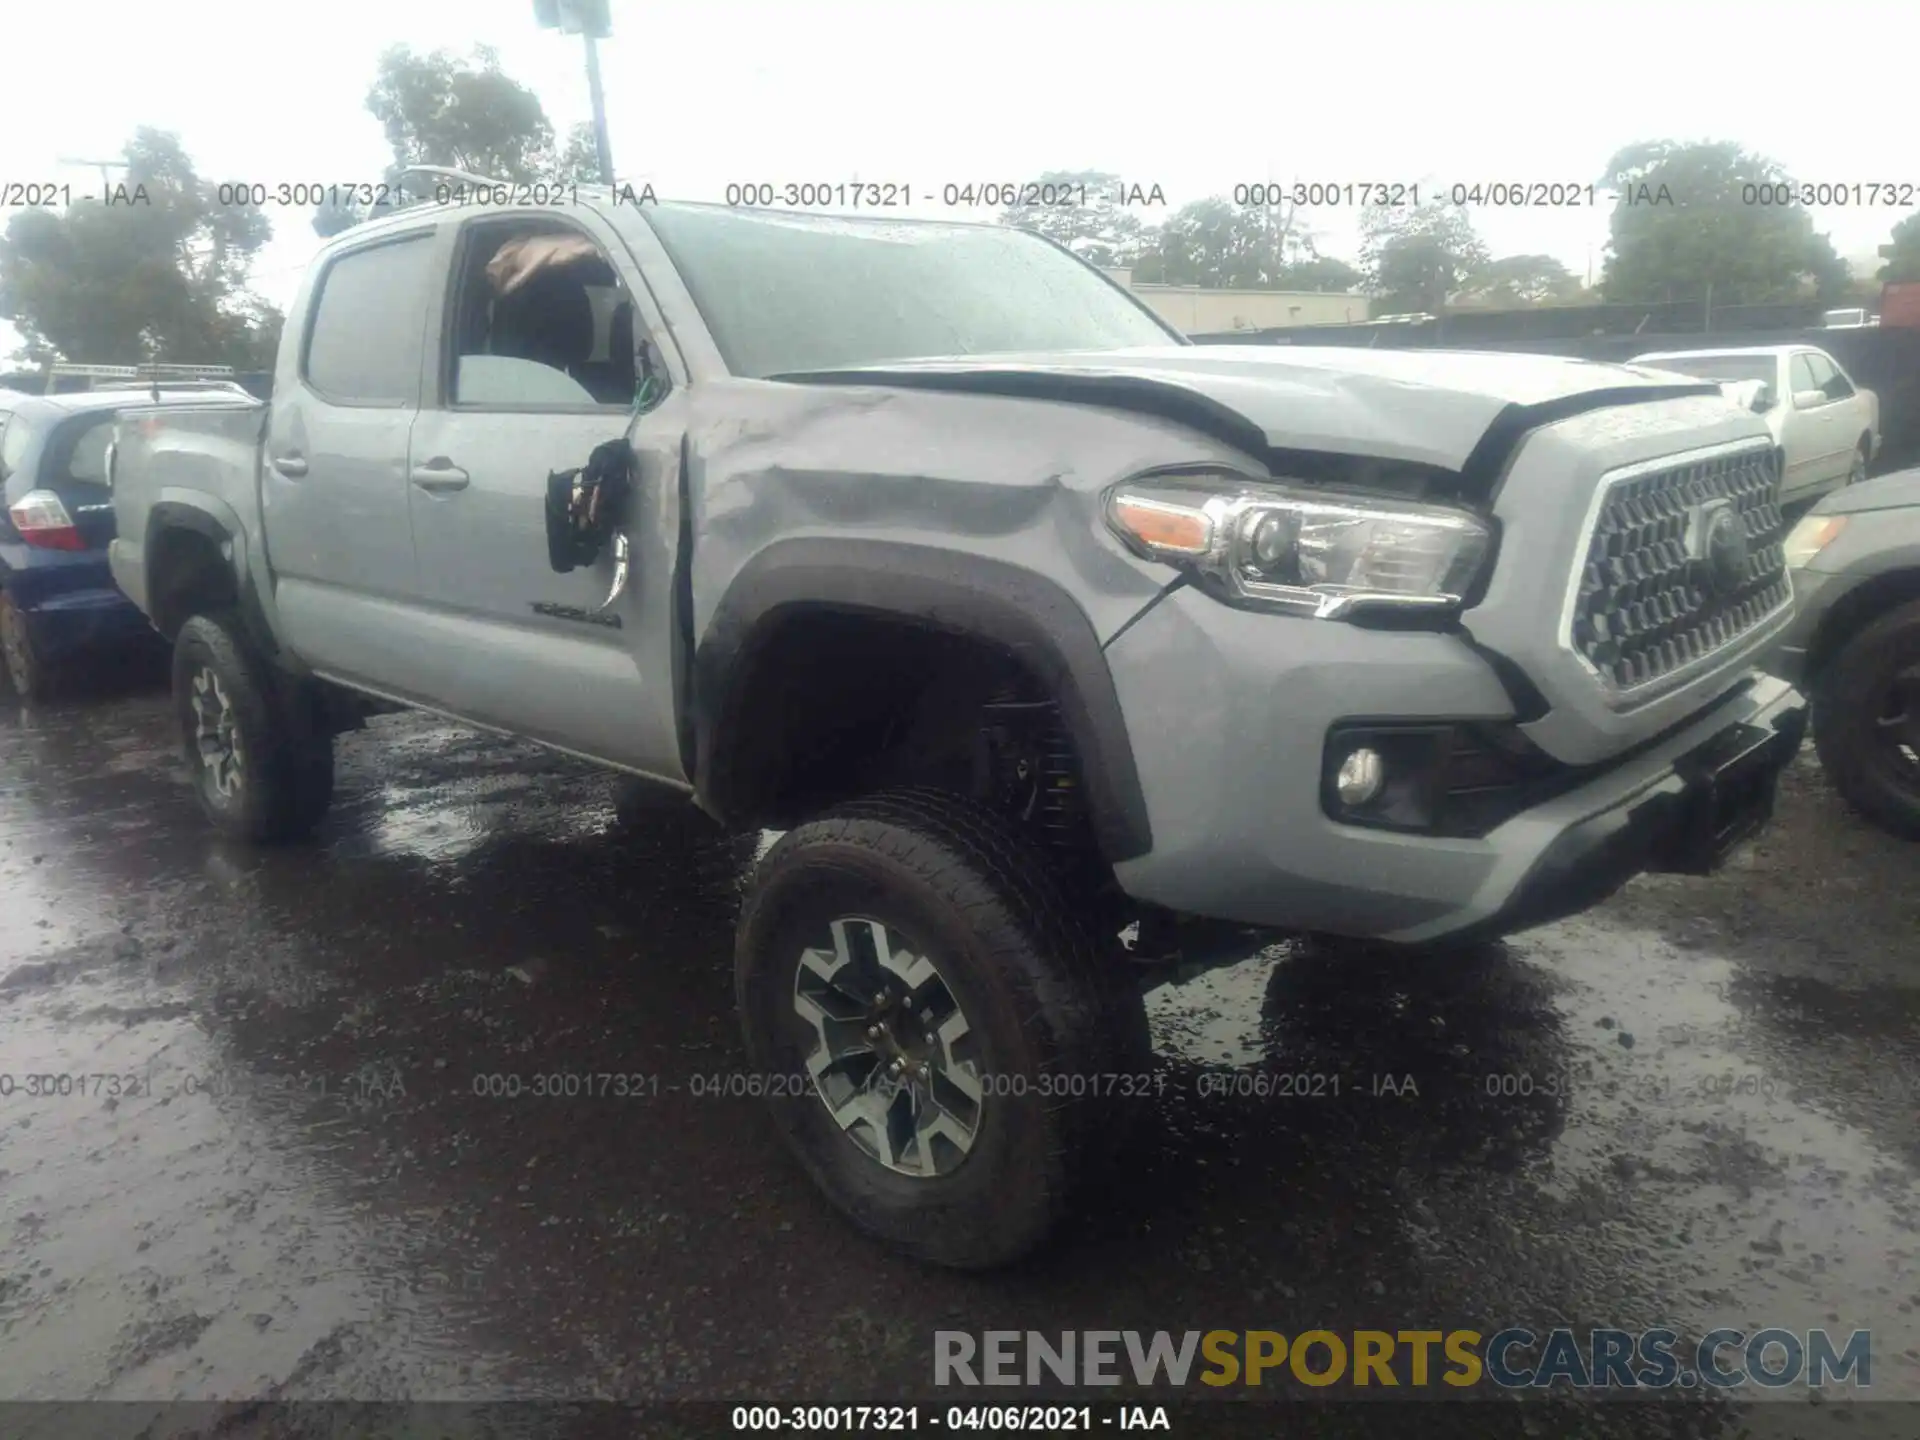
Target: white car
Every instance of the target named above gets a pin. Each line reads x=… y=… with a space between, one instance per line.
x=1827 y=427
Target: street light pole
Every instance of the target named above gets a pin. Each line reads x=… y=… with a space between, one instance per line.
x=590 y=19
x=602 y=150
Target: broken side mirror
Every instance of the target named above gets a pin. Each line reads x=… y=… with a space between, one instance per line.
x=586 y=513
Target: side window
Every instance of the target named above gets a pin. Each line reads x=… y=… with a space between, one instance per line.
x=1827 y=376
x=87 y=460
x=364 y=345
x=15 y=436
x=540 y=319
x=1802 y=372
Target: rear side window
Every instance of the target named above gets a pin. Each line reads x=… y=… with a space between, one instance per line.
x=15 y=436
x=364 y=343
x=87 y=460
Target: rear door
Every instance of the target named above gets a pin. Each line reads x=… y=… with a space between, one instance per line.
x=334 y=483
x=524 y=389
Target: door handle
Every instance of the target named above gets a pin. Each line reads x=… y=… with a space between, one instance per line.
x=291 y=466
x=439 y=476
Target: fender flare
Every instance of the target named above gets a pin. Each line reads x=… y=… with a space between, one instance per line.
x=971 y=595
x=212 y=518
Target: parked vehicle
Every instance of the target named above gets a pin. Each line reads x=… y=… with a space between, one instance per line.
x=1855 y=643
x=1849 y=319
x=1827 y=428
x=1041 y=633
x=58 y=601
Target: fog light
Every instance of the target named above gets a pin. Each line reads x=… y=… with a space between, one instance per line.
x=1362 y=775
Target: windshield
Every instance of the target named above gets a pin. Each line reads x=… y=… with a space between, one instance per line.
x=784 y=293
x=1720 y=367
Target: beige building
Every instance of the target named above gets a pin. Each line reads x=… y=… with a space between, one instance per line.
x=1193 y=310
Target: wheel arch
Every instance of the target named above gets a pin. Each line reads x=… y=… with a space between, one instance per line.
x=197 y=558
x=1003 y=607
x=1856 y=610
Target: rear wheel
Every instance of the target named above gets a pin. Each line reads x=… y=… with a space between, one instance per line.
x=1866 y=721
x=259 y=773
x=27 y=669
x=933 y=1022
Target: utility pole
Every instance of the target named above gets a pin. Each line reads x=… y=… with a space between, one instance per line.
x=103 y=166
x=589 y=19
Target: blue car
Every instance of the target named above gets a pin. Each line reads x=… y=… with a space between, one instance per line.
x=58 y=601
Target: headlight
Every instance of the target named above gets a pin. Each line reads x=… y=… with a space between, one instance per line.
x=1308 y=552
x=1812 y=535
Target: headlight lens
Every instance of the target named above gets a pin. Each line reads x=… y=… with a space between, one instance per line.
x=1812 y=535
x=1311 y=553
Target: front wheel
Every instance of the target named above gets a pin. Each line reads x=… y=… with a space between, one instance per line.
x=934 y=1024
x=1866 y=721
x=1857 y=470
x=258 y=774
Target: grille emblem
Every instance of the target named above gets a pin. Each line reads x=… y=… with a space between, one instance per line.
x=1717 y=544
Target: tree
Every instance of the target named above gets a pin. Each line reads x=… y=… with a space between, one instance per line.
x=1218 y=245
x=1691 y=218
x=580 y=156
x=465 y=113
x=1102 y=231
x=1416 y=256
x=1516 y=280
x=1903 y=253
x=157 y=270
x=1322 y=274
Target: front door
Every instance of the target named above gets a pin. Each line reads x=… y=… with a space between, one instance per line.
x=1810 y=430
x=538 y=369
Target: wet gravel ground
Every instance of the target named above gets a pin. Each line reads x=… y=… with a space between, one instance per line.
x=1694 y=1107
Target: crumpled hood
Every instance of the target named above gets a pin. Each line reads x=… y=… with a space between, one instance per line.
x=1430 y=407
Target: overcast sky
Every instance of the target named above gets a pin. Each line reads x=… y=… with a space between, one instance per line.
x=1195 y=97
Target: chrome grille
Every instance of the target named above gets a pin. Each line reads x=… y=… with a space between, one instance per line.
x=1652 y=605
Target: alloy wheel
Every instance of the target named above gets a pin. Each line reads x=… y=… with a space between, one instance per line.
x=217 y=734
x=1896 y=725
x=894 y=1058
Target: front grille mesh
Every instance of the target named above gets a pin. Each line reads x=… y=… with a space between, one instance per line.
x=1646 y=608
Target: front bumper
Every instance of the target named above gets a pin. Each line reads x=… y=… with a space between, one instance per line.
x=1687 y=821
x=1814 y=594
x=1228 y=713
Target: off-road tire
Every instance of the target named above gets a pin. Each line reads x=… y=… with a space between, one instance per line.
x=287 y=772
x=1054 y=1009
x=1847 y=699
x=26 y=670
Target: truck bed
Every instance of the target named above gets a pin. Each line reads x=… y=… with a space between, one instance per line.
x=161 y=450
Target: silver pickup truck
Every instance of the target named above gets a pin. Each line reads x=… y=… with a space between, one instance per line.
x=1045 y=636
